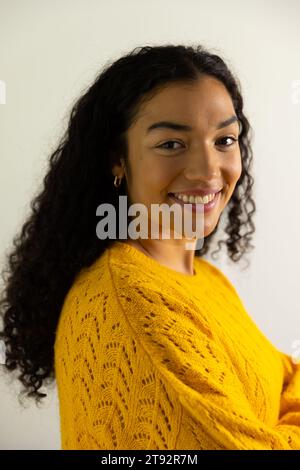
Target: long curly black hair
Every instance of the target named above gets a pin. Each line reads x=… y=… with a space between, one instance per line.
x=59 y=238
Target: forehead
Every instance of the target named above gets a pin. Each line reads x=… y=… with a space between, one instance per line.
x=204 y=101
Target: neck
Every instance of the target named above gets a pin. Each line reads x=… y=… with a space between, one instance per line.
x=170 y=253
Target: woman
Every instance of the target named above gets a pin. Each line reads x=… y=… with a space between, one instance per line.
x=149 y=343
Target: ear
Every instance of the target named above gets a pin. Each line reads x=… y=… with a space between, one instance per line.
x=119 y=169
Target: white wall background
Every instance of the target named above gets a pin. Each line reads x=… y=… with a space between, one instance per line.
x=51 y=50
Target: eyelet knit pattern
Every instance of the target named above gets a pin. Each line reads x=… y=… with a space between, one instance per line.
x=149 y=358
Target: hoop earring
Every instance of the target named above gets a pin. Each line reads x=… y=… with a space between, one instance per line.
x=119 y=178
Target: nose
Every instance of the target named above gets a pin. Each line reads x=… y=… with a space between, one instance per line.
x=203 y=164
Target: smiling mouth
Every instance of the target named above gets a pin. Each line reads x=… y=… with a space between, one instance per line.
x=200 y=200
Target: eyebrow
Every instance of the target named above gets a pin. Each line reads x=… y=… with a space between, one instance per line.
x=184 y=127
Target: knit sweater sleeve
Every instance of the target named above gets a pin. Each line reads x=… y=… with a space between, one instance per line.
x=184 y=350
x=141 y=367
x=289 y=416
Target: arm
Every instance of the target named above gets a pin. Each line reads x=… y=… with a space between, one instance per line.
x=194 y=365
x=289 y=416
x=141 y=369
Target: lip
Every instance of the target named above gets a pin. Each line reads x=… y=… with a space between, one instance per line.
x=199 y=207
x=197 y=192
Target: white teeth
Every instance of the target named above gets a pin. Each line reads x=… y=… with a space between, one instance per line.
x=195 y=199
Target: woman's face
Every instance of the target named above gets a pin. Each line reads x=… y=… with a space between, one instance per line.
x=204 y=156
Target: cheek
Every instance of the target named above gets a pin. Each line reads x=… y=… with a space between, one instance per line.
x=233 y=169
x=232 y=172
x=150 y=179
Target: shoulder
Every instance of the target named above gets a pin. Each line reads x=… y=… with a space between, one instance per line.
x=216 y=275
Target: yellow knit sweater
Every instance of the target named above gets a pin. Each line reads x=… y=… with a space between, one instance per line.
x=150 y=358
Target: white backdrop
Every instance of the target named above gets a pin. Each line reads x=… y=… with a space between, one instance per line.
x=51 y=50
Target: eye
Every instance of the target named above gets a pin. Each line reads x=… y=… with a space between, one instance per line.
x=225 y=138
x=168 y=142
